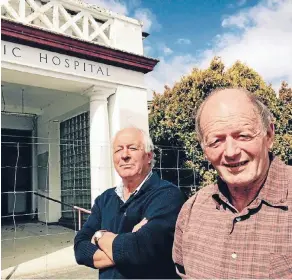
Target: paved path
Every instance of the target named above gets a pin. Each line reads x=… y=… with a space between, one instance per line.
x=76 y=272
x=30 y=241
x=40 y=251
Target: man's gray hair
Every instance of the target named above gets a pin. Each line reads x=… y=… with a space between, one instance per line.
x=261 y=110
x=149 y=146
x=147 y=141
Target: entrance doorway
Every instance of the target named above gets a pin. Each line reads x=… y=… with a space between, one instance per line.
x=16 y=179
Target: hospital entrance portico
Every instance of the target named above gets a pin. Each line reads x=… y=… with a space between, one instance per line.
x=72 y=76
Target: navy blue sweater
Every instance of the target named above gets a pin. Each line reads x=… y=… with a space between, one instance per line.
x=145 y=253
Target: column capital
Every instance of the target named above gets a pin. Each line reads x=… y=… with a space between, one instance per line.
x=99 y=93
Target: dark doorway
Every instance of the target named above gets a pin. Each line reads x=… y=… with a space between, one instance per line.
x=16 y=179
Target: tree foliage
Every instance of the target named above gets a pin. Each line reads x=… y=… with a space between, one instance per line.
x=171 y=113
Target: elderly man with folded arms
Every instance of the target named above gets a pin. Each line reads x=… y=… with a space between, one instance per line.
x=130 y=231
x=241 y=226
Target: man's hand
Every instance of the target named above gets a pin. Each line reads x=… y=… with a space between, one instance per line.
x=141 y=224
x=105 y=243
x=101 y=260
x=104 y=256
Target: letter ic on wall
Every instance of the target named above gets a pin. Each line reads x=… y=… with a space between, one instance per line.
x=15 y=53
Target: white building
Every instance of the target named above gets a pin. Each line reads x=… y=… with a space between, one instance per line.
x=72 y=76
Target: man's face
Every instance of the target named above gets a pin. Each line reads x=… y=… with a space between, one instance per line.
x=234 y=140
x=130 y=158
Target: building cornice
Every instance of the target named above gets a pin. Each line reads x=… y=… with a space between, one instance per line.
x=39 y=38
x=96 y=10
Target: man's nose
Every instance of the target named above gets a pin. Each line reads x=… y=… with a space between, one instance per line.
x=232 y=148
x=125 y=154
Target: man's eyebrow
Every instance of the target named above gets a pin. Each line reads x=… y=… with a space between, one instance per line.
x=214 y=135
x=127 y=145
x=119 y=146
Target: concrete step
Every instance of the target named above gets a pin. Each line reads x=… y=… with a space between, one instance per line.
x=58 y=265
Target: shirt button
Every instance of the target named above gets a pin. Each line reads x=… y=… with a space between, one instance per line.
x=233 y=255
x=238 y=219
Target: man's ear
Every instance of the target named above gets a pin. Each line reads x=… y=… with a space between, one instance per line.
x=270 y=136
x=150 y=156
x=204 y=151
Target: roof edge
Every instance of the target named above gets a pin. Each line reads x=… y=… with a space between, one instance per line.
x=39 y=38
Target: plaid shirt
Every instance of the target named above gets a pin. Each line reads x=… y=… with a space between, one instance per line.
x=214 y=240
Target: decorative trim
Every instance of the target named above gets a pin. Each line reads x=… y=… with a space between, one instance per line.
x=99 y=93
x=38 y=38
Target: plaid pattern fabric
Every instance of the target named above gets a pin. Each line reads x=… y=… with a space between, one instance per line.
x=214 y=240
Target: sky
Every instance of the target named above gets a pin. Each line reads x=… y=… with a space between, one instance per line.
x=188 y=33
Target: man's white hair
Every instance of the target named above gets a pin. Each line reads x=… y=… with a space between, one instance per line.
x=147 y=142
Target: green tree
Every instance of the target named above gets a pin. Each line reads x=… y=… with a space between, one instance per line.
x=283 y=145
x=171 y=113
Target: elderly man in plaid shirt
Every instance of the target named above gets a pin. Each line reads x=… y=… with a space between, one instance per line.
x=240 y=227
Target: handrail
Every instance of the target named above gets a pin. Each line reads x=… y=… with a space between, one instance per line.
x=79 y=209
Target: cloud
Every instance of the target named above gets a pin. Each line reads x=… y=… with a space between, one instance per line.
x=133 y=4
x=163 y=49
x=239 y=21
x=241 y=2
x=148 y=19
x=148 y=50
x=168 y=71
x=261 y=37
x=133 y=9
x=167 y=50
x=183 y=41
x=112 y=5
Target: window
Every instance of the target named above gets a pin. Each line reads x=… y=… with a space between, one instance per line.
x=75 y=164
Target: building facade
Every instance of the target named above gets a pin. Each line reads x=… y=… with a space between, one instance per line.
x=72 y=76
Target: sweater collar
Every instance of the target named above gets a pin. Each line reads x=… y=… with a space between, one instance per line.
x=120 y=187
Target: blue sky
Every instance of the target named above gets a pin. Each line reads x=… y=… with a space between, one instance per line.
x=195 y=22
x=189 y=33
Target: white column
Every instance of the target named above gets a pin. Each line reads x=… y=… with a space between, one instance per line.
x=100 y=146
x=54 y=189
x=34 y=198
x=128 y=107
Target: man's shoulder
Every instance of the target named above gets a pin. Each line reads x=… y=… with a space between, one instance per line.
x=200 y=201
x=109 y=191
x=202 y=196
x=162 y=191
x=280 y=172
x=156 y=182
x=164 y=185
x=107 y=194
x=289 y=175
x=289 y=172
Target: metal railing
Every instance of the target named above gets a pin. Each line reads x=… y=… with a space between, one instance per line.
x=79 y=209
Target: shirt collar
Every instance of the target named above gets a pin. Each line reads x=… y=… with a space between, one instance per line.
x=274 y=190
x=120 y=187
